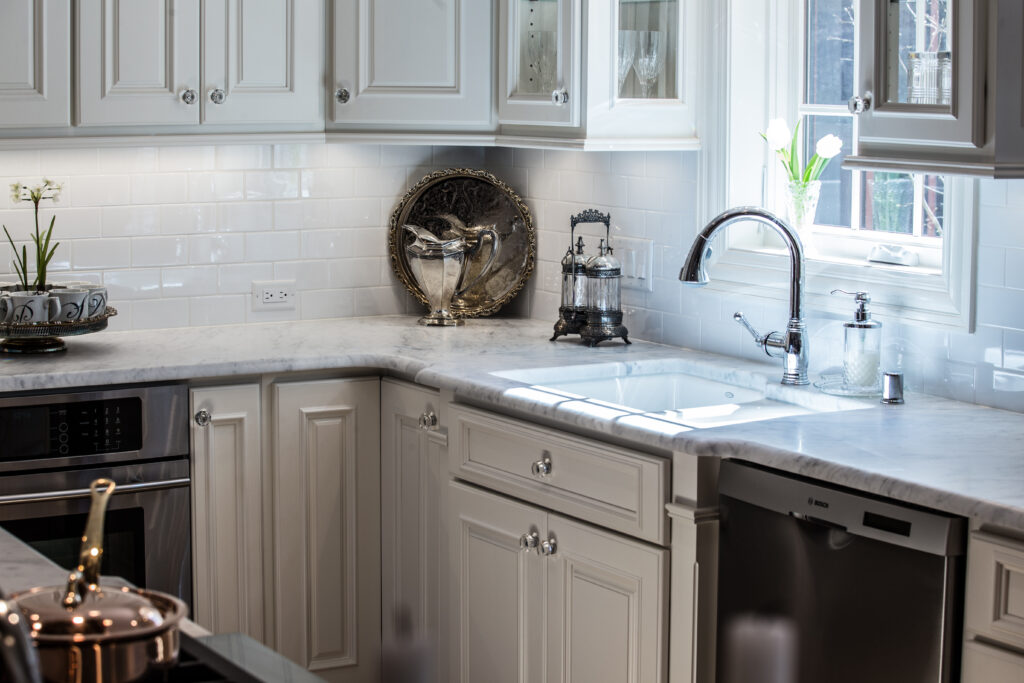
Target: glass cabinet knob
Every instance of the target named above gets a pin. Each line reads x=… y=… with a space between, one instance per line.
x=859 y=104
x=560 y=97
x=189 y=96
x=203 y=417
x=342 y=95
x=217 y=96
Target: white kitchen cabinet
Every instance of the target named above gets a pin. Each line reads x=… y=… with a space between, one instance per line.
x=35 y=69
x=186 y=62
x=939 y=87
x=411 y=66
x=414 y=545
x=537 y=596
x=994 y=609
x=621 y=75
x=227 y=510
x=326 y=526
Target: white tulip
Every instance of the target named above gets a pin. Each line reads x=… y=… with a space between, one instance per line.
x=828 y=146
x=778 y=134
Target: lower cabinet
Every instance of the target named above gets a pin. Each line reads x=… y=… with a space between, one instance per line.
x=227 y=510
x=536 y=596
x=303 y=491
x=414 y=546
x=994 y=609
x=326 y=526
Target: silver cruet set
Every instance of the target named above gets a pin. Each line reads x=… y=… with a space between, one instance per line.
x=591 y=303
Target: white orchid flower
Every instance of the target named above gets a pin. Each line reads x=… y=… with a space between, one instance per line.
x=828 y=146
x=778 y=134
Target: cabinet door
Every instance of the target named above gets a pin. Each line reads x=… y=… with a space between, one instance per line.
x=539 y=62
x=35 y=67
x=607 y=607
x=498 y=590
x=412 y=65
x=924 y=65
x=136 y=58
x=266 y=58
x=414 y=547
x=227 y=519
x=326 y=469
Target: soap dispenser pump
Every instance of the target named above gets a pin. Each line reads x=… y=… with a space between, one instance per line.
x=862 y=346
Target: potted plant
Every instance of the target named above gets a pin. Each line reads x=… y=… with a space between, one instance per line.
x=43 y=249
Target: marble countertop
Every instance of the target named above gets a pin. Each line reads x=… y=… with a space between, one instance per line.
x=962 y=458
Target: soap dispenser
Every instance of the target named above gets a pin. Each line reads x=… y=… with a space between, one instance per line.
x=862 y=346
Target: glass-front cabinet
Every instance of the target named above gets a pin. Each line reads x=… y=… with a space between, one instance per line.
x=622 y=76
x=935 y=77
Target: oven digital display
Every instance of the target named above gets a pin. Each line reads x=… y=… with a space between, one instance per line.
x=71 y=429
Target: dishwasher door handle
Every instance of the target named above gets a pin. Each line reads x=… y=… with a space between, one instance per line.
x=72 y=494
x=817 y=520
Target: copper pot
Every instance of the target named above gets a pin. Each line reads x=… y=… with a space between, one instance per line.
x=85 y=633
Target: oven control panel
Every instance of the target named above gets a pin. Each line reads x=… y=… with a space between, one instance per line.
x=71 y=429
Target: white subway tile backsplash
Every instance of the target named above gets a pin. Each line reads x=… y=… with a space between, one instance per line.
x=356 y=213
x=159 y=251
x=383 y=301
x=356 y=272
x=101 y=253
x=271 y=246
x=100 y=190
x=243 y=157
x=53 y=162
x=353 y=156
x=160 y=188
x=272 y=185
x=1014 y=274
x=158 y=313
x=380 y=182
x=405 y=155
x=128 y=160
x=216 y=187
x=217 y=310
x=121 y=221
x=183 y=219
x=142 y=283
x=302 y=213
x=327 y=182
x=328 y=303
x=237 y=278
x=300 y=156
x=190 y=281
x=245 y=216
x=307 y=274
x=216 y=248
x=187 y=158
x=76 y=223
x=19 y=162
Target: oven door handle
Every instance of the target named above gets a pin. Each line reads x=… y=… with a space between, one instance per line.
x=71 y=494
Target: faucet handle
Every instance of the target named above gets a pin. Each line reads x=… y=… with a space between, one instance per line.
x=742 y=320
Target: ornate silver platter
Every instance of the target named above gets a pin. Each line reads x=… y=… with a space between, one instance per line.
x=46 y=337
x=474 y=198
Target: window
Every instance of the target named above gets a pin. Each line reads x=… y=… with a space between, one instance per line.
x=921 y=224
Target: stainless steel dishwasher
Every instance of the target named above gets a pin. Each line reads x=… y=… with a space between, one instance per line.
x=872 y=589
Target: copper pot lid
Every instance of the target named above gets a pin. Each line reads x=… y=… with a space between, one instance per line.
x=84 y=610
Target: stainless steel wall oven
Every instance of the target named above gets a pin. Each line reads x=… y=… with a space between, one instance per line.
x=52 y=445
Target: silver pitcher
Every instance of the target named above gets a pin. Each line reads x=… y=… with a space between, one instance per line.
x=440 y=263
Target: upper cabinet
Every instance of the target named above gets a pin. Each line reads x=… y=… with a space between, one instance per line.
x=35 y=78
x=622 y=75
x=939 y=87
x=404 y=66
x=182 y=62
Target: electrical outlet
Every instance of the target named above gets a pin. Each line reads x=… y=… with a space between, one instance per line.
x=273 y=295
x=637 y=258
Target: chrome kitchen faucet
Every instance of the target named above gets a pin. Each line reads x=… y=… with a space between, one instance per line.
x=791 y=346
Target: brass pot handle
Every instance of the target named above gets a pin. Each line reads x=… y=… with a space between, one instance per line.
x=87 y=575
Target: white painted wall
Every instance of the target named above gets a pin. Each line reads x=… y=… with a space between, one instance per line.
x=178 y=234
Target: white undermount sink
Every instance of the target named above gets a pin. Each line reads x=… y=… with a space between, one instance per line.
x=674 y=391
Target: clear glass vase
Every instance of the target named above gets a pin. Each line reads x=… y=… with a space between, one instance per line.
x=801 y=205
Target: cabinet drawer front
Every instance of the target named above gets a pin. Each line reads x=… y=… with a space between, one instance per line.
x=984 y=664
x=995 y=588
x=617 y=488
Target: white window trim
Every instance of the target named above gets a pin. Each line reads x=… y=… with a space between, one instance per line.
x=921 y=296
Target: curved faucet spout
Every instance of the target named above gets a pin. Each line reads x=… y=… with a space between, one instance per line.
x=694 y=271
x=791 y=347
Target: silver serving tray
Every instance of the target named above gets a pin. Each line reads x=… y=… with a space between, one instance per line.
x=45 y=337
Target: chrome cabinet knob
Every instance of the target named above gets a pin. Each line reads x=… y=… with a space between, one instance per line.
x=203 y=417
x=428 y=420
x=858 y=104
x=542 y=467
x=548 y=547
x=560 y=97
x=529 y=541
x=217 y=96
x=189 y=96
x=342 y=95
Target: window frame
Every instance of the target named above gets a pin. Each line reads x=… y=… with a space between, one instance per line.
x=940 y=293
